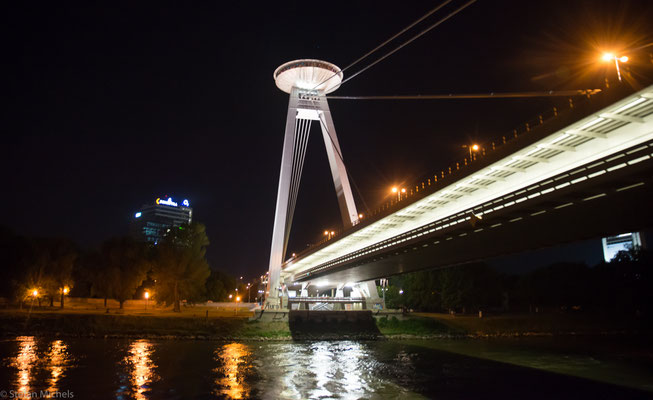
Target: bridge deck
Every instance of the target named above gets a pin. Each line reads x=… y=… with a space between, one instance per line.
x=551 y=160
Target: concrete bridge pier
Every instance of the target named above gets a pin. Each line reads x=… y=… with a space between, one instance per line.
x=368 y=291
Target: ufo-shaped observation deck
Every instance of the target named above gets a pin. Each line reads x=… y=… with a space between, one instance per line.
x=308 y=74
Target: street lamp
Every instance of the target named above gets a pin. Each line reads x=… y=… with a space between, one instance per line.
x=329 y=234
x=611 y=56
x=472 y=148
x=398 y=192
x=147 y=298
x=35 y=293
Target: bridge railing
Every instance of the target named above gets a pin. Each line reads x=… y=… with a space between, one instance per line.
x=305 y=299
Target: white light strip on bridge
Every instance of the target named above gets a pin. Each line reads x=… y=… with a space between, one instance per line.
x=521 y=169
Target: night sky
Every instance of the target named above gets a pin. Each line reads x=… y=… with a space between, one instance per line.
x=111 y=105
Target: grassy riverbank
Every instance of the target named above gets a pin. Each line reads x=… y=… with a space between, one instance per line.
x=424 y=324
x=99 y=325
x=224 y=325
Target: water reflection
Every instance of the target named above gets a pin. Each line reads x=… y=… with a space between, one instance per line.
x=25 y=362
x=58 y=362
x=338 y=370
x=234 y=366
x=334 y=370
x=31 y=366
x=141 y=369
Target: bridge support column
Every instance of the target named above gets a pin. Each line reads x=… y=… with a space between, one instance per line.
x=368 y=291
x=304 y=107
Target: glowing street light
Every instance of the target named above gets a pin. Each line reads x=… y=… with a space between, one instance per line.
x=65 y=290
x=398 y=192
x=35 y=293
x=329 y=234
x=472 y=148
x=147 y=298
x=611 y=56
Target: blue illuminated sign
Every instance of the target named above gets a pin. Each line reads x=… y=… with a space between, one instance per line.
x=185 y=203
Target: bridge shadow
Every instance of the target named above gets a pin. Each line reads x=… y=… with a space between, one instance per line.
x=332 y=325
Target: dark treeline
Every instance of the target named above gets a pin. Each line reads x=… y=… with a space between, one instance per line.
x=47 y=270
x=625 y=284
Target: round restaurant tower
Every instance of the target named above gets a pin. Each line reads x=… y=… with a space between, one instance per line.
x=308 y=74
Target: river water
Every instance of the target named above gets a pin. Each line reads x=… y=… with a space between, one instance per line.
x=444 y=369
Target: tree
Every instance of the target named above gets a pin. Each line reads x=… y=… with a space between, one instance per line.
x=48 y=269
x=180 y=266
x=59 y=271
x=125 y=265
x=218 y=286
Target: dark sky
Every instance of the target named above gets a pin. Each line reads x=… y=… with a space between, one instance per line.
x=110 y=105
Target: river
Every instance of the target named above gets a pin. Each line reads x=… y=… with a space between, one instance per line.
x=534 y=368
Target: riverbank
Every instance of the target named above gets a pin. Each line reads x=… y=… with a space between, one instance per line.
x=230 y=325
x=526 y=324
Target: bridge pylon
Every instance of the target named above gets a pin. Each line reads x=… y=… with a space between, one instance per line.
x=307 y=82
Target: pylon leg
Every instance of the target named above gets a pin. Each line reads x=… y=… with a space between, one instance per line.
x=304 y=105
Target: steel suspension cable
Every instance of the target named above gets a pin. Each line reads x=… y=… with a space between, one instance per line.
x=369 y=53
x=302 y=131
x=303 y=142
x=504 y=95
x=293 y=172
x=422 y=33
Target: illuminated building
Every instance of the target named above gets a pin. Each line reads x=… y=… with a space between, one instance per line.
x=153 y=221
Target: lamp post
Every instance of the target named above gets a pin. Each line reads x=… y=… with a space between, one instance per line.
x=64 y=291
x=472 y=148
x=35 y=296
x=610 y=57
x=398 y=192
x=249 y=291
x=147 y=298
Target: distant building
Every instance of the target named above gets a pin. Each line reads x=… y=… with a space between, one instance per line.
x=153 y=221
x=614 y=244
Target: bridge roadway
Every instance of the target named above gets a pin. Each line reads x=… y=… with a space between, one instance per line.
x=574 y=178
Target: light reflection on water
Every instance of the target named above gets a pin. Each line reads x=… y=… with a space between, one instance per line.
x=58 y=361
x=333 y=370
x=140 y=368
x=234 y=365
x=32 y=361
x=25 y=361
